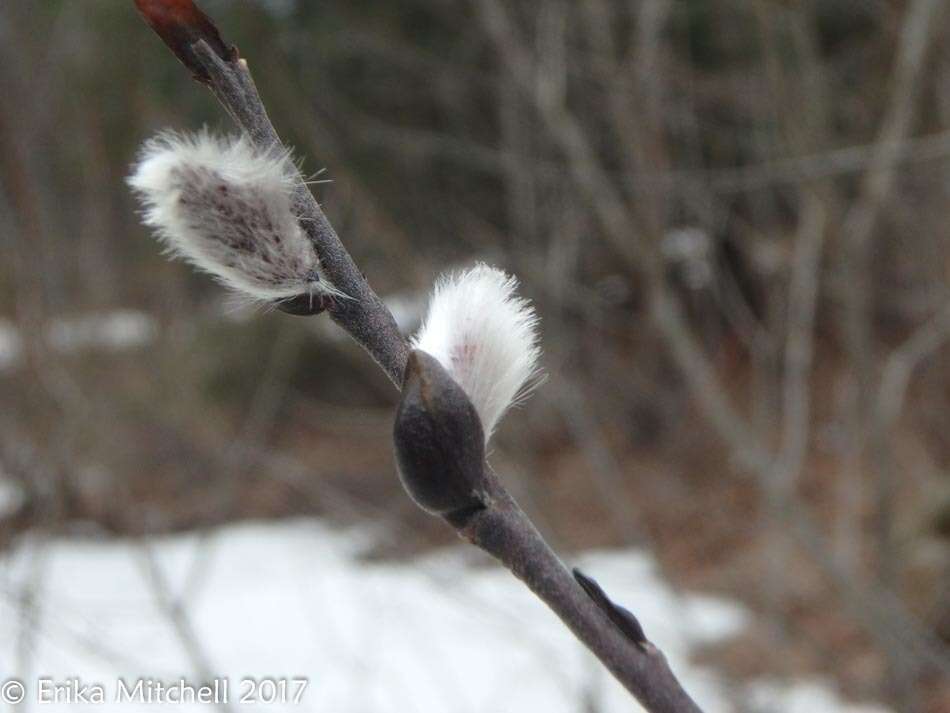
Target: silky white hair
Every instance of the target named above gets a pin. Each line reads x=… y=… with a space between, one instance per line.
x=485 y=336
x=227 y=207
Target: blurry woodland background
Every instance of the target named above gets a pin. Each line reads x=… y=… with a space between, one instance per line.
x=733 y=217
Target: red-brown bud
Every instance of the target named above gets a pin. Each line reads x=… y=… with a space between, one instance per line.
x=181 y=24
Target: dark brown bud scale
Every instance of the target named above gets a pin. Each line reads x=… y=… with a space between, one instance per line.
x=621 y=617
x=440 y=444
x=305 y=305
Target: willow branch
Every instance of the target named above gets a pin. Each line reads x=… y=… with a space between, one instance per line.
x=363 y=315
x=495 y=523
x=505 y=532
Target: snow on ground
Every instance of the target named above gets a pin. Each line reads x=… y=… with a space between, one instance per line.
x=12 y=496
x=293 y=599
x=11 y=345
x=124 y=329
x=114 y=331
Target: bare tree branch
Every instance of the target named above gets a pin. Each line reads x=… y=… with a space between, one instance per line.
x=880 y=613
x=174 y=609
x=918 y=32
x=901 y=364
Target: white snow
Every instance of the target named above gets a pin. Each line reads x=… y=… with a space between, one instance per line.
x=407 y=309
x=12 y=496
x=115 y=331
x=292 y=599
x=11 y=345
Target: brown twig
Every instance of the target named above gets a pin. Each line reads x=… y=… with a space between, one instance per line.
x=499 y=527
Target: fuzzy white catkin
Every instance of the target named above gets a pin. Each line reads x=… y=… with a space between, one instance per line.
x=227 y=208
x=485 y=336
